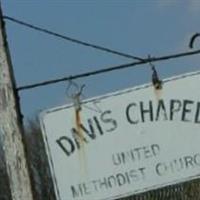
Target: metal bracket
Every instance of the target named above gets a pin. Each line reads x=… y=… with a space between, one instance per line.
x=192 y=40
x=155 y=78
x=75 y=96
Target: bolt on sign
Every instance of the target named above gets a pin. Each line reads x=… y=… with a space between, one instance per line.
x=126 y=142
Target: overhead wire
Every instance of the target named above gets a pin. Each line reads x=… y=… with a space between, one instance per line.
x=70 y=39
x=140 y=61
x=108 y=69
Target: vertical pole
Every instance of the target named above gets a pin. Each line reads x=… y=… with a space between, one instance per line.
x=11 y=131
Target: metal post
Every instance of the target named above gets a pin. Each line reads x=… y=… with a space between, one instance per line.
x=11 y=131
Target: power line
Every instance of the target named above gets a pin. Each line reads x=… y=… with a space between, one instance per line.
x=90 y=73
x=104 y=70
x=80 y=42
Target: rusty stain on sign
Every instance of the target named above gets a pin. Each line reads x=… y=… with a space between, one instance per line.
x=78 y=126
x=77 y=106
x=158 y=90
x=79 y=135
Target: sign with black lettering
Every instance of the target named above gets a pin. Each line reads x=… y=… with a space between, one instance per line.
x=126 y=142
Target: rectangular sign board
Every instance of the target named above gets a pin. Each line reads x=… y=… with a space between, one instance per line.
x=126 y=142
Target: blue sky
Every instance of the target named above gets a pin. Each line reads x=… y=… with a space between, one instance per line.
x=137 y=27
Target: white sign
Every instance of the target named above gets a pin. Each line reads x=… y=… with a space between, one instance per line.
x=128 y=142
